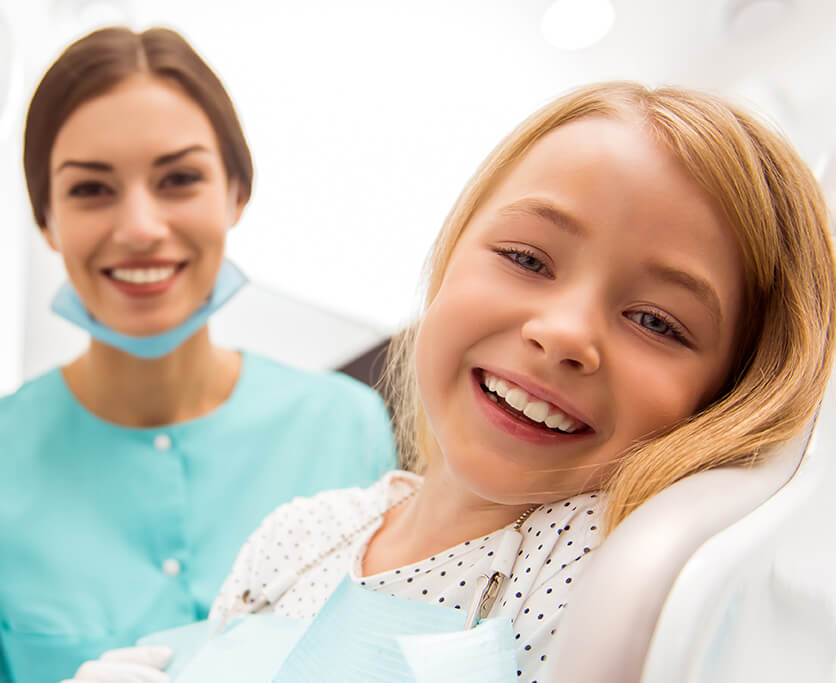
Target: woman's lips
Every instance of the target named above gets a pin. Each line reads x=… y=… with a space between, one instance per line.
x=144 y=280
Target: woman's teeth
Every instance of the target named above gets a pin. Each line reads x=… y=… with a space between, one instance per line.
x=142 y=276
x=533 y=409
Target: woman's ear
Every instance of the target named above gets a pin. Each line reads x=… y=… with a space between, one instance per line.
x=50 y=233
x=238 y=199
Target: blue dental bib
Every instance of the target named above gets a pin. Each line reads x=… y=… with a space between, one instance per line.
x=359 y=636
x=68 y=305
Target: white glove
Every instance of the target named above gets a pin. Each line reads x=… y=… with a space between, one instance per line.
x=127 y=665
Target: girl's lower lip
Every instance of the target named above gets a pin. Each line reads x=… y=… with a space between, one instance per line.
x=146 y=289
x=510 y=425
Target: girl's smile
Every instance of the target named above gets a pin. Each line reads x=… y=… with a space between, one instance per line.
x=528 y=416
x=591 y=301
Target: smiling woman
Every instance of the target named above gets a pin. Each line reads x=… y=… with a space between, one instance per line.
x=113 y=466
x=117 y=191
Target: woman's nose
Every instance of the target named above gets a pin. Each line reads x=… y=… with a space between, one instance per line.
x=568 y=331
x=139 y=223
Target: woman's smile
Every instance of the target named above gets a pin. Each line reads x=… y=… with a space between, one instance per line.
x=144 y=278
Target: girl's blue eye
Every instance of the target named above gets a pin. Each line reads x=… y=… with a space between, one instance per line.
x=89 y=189
x=658 y=325
x=653 y=323
x=524 y=260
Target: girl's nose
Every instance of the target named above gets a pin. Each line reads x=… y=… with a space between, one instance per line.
x=139 y=224
x=567 y=332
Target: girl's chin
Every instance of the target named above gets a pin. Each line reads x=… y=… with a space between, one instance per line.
x=504 y=480
x=494 y=479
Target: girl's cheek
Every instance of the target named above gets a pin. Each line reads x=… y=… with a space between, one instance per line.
x=425 y=357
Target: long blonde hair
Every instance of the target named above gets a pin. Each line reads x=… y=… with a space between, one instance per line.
x=774 y=205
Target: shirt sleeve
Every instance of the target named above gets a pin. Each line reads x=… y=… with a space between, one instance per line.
x=5 y=677
x=248 y=565
x=259 y=561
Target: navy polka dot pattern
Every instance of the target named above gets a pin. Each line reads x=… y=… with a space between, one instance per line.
x=556 y=538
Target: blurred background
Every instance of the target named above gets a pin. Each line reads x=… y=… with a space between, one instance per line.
x=366 y=118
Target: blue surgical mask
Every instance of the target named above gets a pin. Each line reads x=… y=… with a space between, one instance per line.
x=68 y=305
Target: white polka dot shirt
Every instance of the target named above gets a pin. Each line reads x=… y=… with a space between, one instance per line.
x=556 y=538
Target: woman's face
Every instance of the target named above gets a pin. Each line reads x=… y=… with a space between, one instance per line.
x=140 y=204
x=592 y=300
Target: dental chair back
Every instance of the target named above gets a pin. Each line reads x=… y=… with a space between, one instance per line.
x=728 y=575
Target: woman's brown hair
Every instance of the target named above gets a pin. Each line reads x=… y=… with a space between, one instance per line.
x=96 y=63
x=779 y=217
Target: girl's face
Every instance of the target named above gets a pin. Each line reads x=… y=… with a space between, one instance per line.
x=593 y=299
x=140 y=205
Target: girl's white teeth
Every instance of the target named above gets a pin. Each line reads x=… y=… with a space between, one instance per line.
x=537 y=411
x=533 y=409
x=142 y=276
x=559 y=421
x=516 y=398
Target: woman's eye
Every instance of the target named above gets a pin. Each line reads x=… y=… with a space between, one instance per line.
x=179 y=179
x=525 y=260
x=89 y=189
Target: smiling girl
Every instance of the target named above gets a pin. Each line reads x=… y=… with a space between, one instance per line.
x=636 y=285
x=130 y=477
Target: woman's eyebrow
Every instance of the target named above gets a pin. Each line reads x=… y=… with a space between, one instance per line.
x=174 y=156
x=698 y=286
x=540 y=208
x=107 y=168
x=87 y=165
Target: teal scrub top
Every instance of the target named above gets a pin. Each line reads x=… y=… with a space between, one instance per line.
x=108 y=533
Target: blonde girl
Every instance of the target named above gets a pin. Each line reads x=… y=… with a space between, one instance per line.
x=775 y=209
x=635 y=286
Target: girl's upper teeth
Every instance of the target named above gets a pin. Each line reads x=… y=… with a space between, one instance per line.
x=532 y=408
x=141 y=276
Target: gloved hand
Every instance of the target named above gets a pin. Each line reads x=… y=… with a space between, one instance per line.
x=127 y=665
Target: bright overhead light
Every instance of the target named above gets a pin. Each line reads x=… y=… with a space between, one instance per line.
x=751 y=18
x=576 y=24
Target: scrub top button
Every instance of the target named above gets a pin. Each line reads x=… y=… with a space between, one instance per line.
x=171 y=567
x=162 y=442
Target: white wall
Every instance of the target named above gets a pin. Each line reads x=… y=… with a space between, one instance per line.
x=13 y=222
x=367 y=117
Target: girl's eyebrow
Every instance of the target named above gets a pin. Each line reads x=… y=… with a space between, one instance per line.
x=540 y=208
x=107 y=168
x=698 y=286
